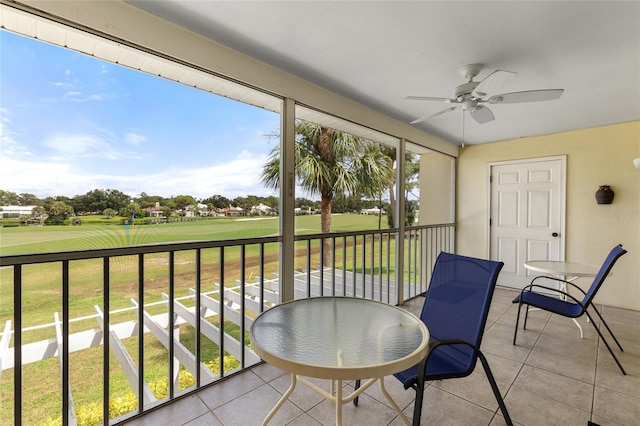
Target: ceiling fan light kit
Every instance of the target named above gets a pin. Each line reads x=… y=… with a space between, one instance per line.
x=471 y=94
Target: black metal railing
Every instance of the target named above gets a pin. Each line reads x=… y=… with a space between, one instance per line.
x=214 y=289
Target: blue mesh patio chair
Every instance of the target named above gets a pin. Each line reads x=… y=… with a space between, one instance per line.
x=568 y=305
x=455 y=311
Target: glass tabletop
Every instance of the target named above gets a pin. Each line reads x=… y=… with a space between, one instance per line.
x=339 y=337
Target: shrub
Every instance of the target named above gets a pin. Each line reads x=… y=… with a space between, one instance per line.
x=55 y=220
x=91 y=414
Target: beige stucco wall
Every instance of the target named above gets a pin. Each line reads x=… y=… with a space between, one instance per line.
x=597 y=156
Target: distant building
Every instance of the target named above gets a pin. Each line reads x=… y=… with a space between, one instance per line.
x=203 y=210
x=373 y=210
x=16 y=211
x=155 y=211
x=261 y=209
x=233 y=211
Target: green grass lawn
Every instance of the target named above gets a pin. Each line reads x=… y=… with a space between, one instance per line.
x=41 y=283
x=42 y=291
x=91 y=235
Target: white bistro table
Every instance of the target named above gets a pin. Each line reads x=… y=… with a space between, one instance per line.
x=569 y=271
x=339 y=338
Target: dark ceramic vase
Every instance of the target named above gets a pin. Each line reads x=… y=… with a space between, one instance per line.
x=604 y=195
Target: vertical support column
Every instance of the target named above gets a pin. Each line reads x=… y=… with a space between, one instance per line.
x=400 y=210
x=451 y=232
x=287 y=199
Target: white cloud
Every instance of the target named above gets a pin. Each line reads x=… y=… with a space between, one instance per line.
x=78 y=96
x=98 y=97
x=72 y=94
x=239 y=177
x=39 y=178
x=8 y=142
x=85 y=146
x=245 y=154
x=134 y=138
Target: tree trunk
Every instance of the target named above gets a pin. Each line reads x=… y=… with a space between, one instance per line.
x=325 y=226
x=380 y=212
x=392 y=203
x=391 y=153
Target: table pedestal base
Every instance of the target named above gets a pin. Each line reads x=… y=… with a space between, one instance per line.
x=335 y=395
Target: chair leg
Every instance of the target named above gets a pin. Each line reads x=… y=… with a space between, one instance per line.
x=515 y=332
x=417 y=406
x=615 y=358
x=607 y=326
x=355 y=400
x=526 y=317
x=494 y=387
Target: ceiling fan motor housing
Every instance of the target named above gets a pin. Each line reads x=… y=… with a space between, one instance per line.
x=469 y=105
x=470 y=71
x=464 y=91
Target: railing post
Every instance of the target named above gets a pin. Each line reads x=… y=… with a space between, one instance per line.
x=106 y=307
x=17 y=344
x=173 y=365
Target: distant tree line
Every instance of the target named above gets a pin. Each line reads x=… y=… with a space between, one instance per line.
x=112 y=202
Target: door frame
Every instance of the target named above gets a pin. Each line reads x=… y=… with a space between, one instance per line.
x=563 y=195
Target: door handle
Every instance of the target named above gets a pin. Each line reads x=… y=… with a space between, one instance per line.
x=555 y=234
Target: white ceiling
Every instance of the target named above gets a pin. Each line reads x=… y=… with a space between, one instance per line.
x=378 y=52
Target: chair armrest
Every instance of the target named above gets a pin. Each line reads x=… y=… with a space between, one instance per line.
x=422 y=365
x=434 y=344
x=531 y=286
x=560 y=280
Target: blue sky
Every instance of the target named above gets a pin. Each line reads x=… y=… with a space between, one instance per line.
x=70 y=123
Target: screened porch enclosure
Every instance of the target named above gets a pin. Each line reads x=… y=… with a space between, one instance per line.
x=98 y=335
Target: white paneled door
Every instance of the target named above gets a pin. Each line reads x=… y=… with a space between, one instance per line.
x=526 y=215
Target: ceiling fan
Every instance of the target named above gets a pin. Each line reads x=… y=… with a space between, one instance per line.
x=471 y=95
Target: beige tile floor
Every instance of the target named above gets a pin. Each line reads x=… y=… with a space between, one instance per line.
x=552 y=377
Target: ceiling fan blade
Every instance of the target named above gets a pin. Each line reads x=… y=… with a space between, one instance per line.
x=421 y=119
x=481 y=114
x=493 y=82
x=527 y=96
x=428 y=98
x=443 y=111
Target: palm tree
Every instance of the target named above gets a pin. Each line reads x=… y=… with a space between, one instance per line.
x=412 y=173
x=330 y=162
x=390 y=152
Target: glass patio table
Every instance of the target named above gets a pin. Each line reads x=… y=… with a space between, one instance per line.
x=339 y=338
